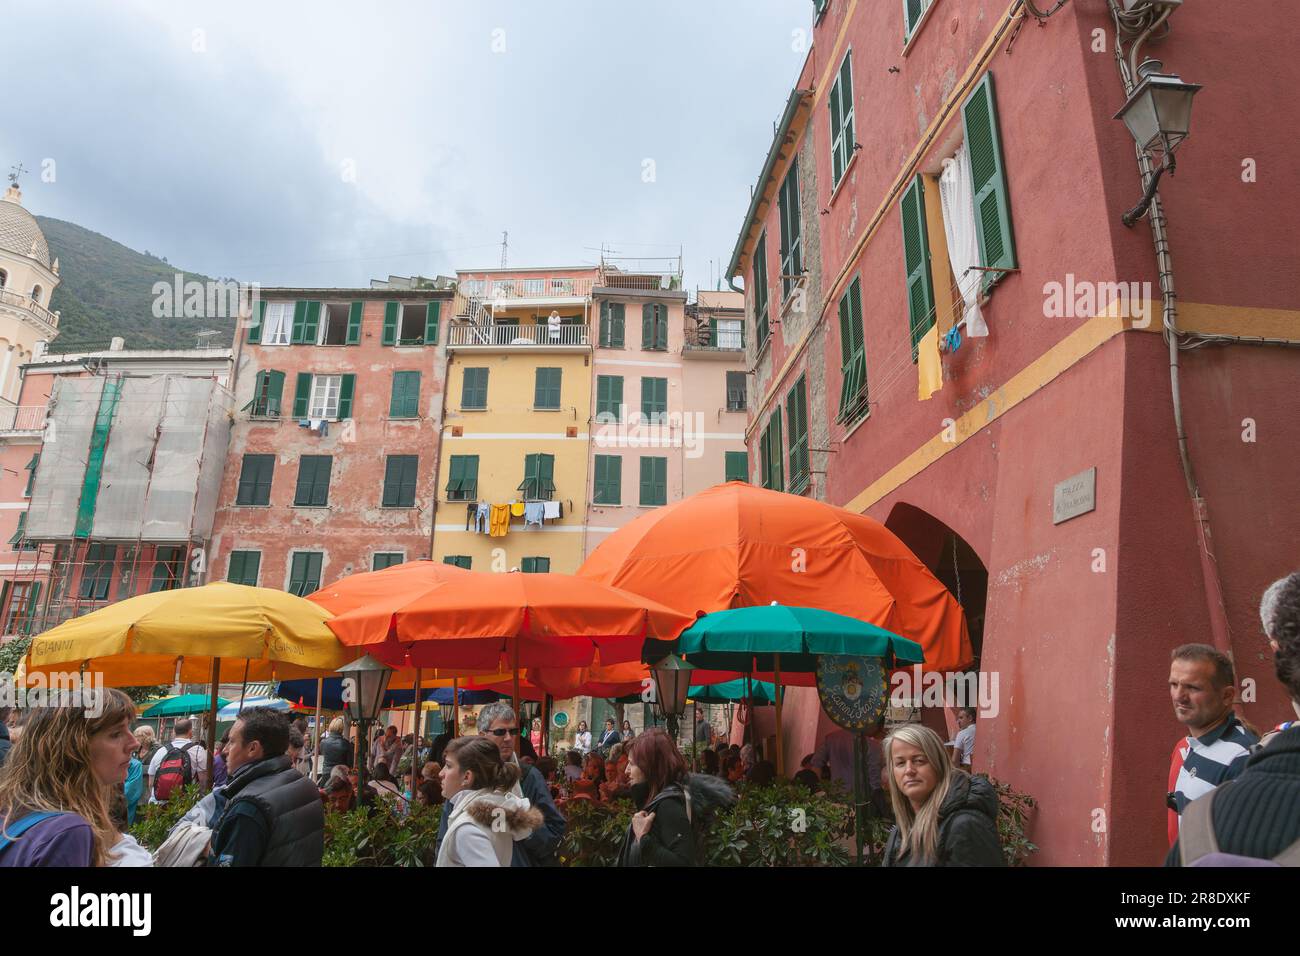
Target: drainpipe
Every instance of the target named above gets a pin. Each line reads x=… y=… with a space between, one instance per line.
x=1219 y=627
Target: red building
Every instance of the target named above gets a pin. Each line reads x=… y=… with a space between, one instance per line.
x=333 y=457
x=956 y=163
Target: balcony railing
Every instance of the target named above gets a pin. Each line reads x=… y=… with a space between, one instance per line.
x=10 y=297
x=22 y=418
x=501 y=333
x=721 y=339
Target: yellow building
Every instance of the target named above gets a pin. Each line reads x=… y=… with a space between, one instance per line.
x=516 y=421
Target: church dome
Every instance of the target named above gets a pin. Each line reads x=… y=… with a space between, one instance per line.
x=19 y=233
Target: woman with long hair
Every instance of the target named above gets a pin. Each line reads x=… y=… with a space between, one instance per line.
x=57 y=781
x=660 y=832
x=582 y=738
x=485 y=818
x=945 y=817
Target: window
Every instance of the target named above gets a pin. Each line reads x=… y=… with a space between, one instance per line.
x=255 y=480
x=608 y=487
x=474 y=287
x=30 y=468
x=340 y=324
x=609 y=398
x=913 y=11
x=277 y=321
x=473 y=391
x=737 y=466
x=306 y=323
x=268 y=391
x=534 y=286
x=853 y=356
x=399 y=481
x=791 y=248
x=654 y=481
x=386 y=559
x=916 y=263
x=97 y=576
x=612 y=324
x=243 y=567
x=405 y=400
x=18 y=540
x=462 y=485
x=411 y=323
x=736 y=398
x=539 y=478
x=771 y=470
x=841 y=106
x=988 y=181
x=761 y=326
x=562 y=286
x=796 y=407
x=4 y=278
x=819 y=8
x=536 y=566
x=546 y=389
x=313 y=481
x=654 y=400
x=458 y=560
x=24 y=601
x=728 y=334
x=37 y=291
x=166 y=569
x=323 y=396
x=654 y=326
x=304 y=572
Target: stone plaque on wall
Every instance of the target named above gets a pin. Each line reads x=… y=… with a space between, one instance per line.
x=1075 y=496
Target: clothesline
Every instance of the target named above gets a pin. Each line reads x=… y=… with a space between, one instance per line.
x=484 y=517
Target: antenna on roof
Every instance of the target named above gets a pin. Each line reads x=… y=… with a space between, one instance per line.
x=505 y=244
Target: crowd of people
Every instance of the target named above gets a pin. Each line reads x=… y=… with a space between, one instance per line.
x=74 y=779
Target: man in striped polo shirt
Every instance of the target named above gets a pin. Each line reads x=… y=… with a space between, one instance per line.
x=1202 y=686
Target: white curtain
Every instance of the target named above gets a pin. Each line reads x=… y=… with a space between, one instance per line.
x=963 y=244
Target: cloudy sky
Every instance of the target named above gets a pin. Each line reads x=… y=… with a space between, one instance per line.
x=328 y=143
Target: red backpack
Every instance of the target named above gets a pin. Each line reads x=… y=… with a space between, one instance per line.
x=175 y=771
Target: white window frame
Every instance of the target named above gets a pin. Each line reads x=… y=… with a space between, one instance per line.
x=562 y=285
x=534 y=286
x=324 y=321
x=325 y=389
x=277 y=323
x=475 y=287
x=730 y=334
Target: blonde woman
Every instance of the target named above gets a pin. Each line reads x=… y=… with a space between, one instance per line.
x=335 y=749
x=945 y=816
x=484 y=817
x=55 y=789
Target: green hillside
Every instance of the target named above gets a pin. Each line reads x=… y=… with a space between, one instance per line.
x=107 y=290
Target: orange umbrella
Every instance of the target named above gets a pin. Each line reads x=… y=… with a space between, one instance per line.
x=358 y=590
x=735 y=545
x=484 y=620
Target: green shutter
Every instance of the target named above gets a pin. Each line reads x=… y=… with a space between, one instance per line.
x=833 y=103
x=647 y=325
x=431 y=313
x=771 y=449
x=546 y=388
x=609 y=397
x=391 y=311
x=916 y=262
x=244 y=566
x=760 y=291
x=405 y=399
x=473 y=392
x=609 y=480
x=274 y=393
x=354 y=324
x=33 y=602
x=853 y=359
x=346 y=390
x=912 y=10
x=17 y=536
x=298 y=337
x=737 y=466
x=302 y=395
x=311 y=323
x=797 y=412
x=617 y=320
x=259 y=319
x=988 y=181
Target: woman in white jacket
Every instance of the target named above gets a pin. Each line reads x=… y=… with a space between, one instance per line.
x=485 y=817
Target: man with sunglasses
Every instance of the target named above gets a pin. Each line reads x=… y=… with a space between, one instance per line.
x=499 y=724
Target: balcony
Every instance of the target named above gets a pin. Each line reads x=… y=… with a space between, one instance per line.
x=21 y=419
x=20 y=301
x=516 y=337
x=723 y=341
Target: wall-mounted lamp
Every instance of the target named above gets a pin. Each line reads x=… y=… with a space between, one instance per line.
x=1159 y=115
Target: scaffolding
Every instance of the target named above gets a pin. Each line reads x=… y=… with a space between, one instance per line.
x=124 y=495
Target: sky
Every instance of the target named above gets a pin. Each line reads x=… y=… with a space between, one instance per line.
x=325 y=144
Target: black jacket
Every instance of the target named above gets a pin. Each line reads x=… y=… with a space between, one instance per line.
x=5 y=743
x=670 y=840
x=1258 y=814
x=282 y=806
x=968 y=829
x=335 y=751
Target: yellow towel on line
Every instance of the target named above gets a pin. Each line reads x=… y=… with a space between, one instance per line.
x=517 y=509
x=498 y=521
x=929 y=366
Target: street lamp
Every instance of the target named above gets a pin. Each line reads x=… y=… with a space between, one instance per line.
x=365 y=681
x=1158 y=114
x=672 y=677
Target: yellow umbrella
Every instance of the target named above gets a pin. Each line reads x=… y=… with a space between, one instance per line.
x=249 y=633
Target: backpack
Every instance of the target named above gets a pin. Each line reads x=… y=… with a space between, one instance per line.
x=1198 y=846
x=174 y=771
x=705 y=795
x=12 y=832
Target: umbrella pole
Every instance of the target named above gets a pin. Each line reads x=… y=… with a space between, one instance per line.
x=455 y=706
x=315 y=747
x=415 y=736
x=212 y=717
x=243 y=688
x=748 y=737
x=859 y=791
x=515 y=699
x=780 y=750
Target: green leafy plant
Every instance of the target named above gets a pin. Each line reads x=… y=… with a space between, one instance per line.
x=780 y=824
x=595 y=832
x=1014 y=811
x=156 y=820
x=377 y=838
